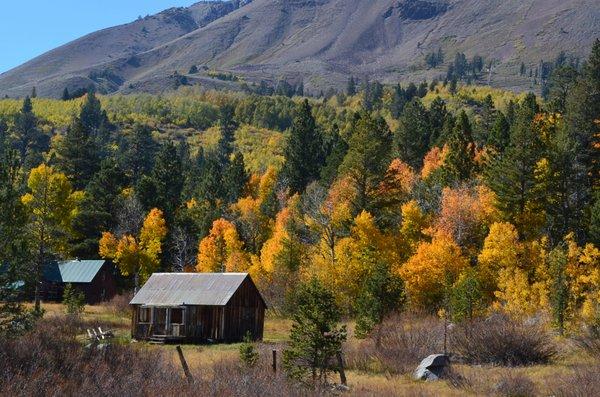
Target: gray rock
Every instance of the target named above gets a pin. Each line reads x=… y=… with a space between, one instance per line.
x=432 y=368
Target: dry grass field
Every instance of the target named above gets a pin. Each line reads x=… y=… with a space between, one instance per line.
x=571 y=372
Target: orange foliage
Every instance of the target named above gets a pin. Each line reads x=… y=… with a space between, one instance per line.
x=433 y=160
x=221 y=250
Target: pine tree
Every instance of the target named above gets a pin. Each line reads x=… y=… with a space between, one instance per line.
x=382 y=293
x=228 y=125
x=98 y=211
x=582 y=118
x=248 y=353
x=459 y=163
x=33 y=92
x=315 y=338
x=65 y=95
x=559 y=289
x=78 y=154
x=14 y=250
x=235 y=178
x=29 y=141
x=304 y=151
x=499 y=136
x=368 y=156
x=163 y=187
x=351 y=87
x=437 y=118
x=413 y=135
x=512 y=178
x=138 y=152
x=337 y=151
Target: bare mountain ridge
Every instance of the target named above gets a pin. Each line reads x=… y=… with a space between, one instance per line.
x=320 y=42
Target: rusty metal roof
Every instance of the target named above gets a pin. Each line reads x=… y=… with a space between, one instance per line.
x=176 y=289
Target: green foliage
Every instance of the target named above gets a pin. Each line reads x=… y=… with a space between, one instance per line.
x=248 y=354
x=382 y=293
x=466 y=297
x=459 y=164
x=315 y=338
x=304 y=152
x=367 y=158
x=559 y=289
x=413 y=135
x=74 y=300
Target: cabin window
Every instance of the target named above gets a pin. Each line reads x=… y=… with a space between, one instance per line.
x=145 y=314
x=176 y=316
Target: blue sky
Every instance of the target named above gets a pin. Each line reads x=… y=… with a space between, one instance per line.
x=31 y=27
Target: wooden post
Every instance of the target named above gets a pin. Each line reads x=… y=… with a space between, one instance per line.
x=186 y=369
x=274 y=364
x=340 y=360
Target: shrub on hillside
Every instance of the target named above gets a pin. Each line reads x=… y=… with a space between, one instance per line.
x=500 y=340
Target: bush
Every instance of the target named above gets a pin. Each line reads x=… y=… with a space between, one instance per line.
x=580 y=380
x=120 y=304
x=398 y=345
x=515 y=385
x=50 y=361
x=500 y=340
x=589 y=340
x=248 y=354
x=74 y=300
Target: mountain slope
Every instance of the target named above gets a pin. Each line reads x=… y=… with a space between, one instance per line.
x=318 y=41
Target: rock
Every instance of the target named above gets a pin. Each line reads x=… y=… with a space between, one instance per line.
x=432 y=368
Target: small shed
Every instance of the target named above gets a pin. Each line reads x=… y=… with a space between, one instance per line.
x=198 y=307
x=95 y=278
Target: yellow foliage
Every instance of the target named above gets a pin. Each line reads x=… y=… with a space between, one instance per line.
x=434 y=266
x=137 y=256
x=221 y=250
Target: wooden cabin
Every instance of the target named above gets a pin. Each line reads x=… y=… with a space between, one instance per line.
x=198 y=307
x=95 y=278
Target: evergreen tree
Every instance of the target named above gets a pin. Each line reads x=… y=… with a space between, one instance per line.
x=248 y=354
x=437 y=118
x=337 y=149
x=559 y=288
x=34 y=92
x=582 y=115
x=228 y=125
x=98 y=211
x=29 y=141
x=304 y=151
x=413 y=135
x=315 y=338
x=512 y=178
x=235 y=178
x=382 y=293
x=351 y=87
x=163 y=187
x=65 y=95
x=459 y=163
x=138 y=152
x=78 y=154
x=368 y=156
x=594 y=229
x=560 y=85
x=14 y=249
x=466 y=297
x=499 y=136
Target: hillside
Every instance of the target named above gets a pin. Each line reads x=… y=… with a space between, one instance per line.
x=321 y=42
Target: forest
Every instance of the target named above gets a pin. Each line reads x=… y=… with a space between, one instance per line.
x=446 y=199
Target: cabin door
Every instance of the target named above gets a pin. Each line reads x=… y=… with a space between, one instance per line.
x=160 y=321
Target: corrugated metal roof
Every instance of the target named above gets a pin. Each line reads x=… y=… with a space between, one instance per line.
x=175 y=289
x=75 y=271
x=78 y=271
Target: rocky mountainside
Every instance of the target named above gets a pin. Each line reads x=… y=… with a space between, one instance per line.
x=320 y=42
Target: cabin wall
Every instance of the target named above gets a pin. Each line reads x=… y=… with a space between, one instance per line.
x=244 y=313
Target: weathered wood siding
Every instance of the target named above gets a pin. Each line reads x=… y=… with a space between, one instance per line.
x=244 y=313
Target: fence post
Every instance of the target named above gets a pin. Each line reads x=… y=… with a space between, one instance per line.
x=340 y=360
x=274 y=364
x=184 y=364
